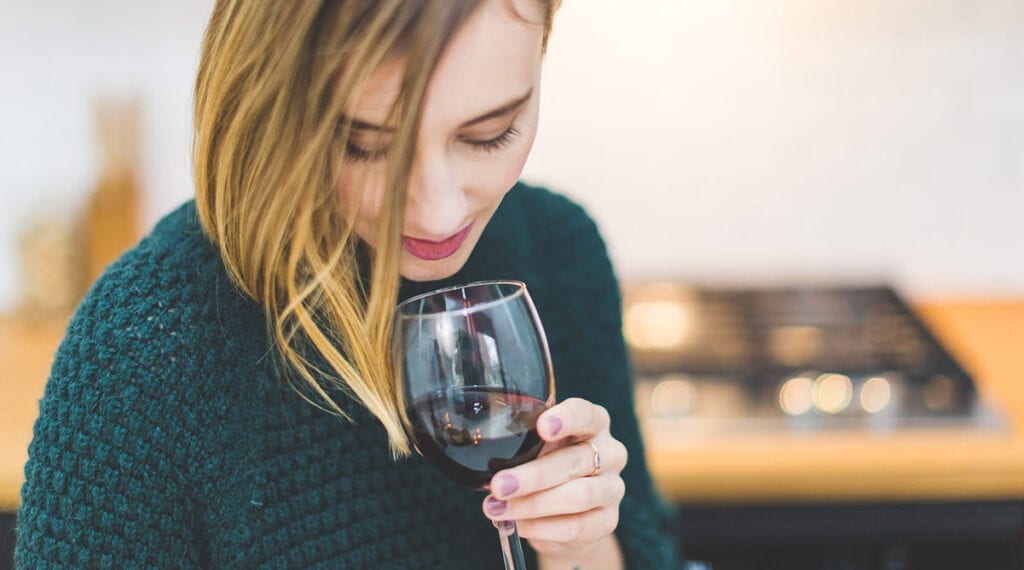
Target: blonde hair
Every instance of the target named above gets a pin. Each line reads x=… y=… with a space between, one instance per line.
x=274 y=82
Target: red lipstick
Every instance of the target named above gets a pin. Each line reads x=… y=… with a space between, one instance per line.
x=435 y=250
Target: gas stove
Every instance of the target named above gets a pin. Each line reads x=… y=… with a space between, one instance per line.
x=792 y=358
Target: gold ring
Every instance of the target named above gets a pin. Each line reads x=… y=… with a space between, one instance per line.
x=597 y=459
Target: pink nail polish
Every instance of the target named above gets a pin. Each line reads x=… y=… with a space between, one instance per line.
x=554 y=425
x=507 y=484
x=495 y=506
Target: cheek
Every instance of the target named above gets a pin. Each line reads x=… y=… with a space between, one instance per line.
x=494 y=178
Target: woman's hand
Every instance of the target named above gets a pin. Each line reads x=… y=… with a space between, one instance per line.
x=566 y=509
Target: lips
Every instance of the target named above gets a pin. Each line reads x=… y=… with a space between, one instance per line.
x=436 y=250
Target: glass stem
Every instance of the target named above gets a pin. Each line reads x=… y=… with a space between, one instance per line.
x=511 y=546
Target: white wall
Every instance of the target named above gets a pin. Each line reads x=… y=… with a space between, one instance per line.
x=56 y=57
x=725 y=139
x=713 y=139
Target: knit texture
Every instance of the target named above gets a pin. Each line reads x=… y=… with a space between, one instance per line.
x=167 y=439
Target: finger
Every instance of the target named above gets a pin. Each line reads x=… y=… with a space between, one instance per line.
x=557 y=467
x=574 y=417
x=576 y=496
x=579 y=528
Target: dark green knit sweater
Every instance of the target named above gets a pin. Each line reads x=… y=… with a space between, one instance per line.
x=166 y=438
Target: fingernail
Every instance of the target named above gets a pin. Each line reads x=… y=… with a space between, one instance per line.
x=495 y=506
x=554 y=425
x=507 y=484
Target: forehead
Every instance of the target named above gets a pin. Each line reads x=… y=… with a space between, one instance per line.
x=493 y=57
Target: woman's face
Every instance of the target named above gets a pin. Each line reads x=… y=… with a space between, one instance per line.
x=479 y=122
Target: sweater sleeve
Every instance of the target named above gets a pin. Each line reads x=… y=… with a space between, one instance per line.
x=105 y=484
x=591 y=362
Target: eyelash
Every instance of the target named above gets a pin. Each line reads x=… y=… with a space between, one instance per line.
x=356 y=154
x=497 y=143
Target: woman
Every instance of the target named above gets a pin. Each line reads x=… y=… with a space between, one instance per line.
x=225 y=396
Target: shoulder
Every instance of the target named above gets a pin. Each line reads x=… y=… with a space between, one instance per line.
x=167 y=264
x=552 y=226
x=155 y=316
x=159 y=284
x=562 y=235
x=543 y=208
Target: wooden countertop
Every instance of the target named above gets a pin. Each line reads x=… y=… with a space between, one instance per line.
x=964 y=464
x=987 y=337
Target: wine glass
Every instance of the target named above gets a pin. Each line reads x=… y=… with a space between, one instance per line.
x=475 y=373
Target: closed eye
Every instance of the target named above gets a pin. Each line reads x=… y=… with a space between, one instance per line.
x=359 y=154
x=497 y=143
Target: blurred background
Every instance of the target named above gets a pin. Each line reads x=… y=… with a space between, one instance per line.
x=816 y=208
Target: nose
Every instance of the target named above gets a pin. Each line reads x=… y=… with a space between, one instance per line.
x=436 y=206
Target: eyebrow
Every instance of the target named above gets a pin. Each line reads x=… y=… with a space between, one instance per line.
x=499 y=111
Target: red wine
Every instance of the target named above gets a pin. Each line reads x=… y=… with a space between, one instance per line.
x=472 y=432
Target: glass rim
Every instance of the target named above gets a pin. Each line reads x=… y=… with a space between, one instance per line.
x=520 y=291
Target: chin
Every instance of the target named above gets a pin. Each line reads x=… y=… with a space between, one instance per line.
x=415 y=269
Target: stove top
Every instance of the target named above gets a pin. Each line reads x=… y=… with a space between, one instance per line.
x=796 y=358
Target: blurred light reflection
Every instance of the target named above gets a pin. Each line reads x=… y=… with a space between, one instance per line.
x=658 y=325
x=832 y=393
x=875 y=395
x=673 y=395
x=796 y=396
